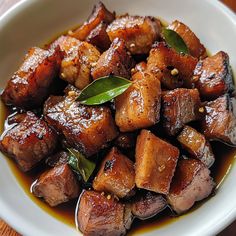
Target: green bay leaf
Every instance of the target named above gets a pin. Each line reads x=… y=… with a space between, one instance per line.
x=174 y=40
x=80 y=164
x=103 y=90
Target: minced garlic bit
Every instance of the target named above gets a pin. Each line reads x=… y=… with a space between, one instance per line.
x=102 y=193
x=108 y=197
x=71 y=93
x=174 y=72
x=201 y=109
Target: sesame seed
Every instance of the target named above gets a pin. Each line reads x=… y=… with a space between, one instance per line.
x=70 y=32
x=63 y=75
x=108 y=197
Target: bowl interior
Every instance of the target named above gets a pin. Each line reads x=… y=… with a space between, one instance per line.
x=33 y=23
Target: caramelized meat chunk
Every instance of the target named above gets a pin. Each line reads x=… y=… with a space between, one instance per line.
x=219 y=122
x=29 y=141
x=102 y=215
x=196 y=145
x=98 y=15
x=180 y=106
x=213 y=77
x=115 y=61
x=139 y=33
x=79 y=59
x=99 y=37
x=193 y=43
x=35 y=76
x=155 y=163
x=148 y=204
x=191 y=183
x=86 y=128
x=139 y=106
x=116 y=175
x=177 y=68
x=57 y=185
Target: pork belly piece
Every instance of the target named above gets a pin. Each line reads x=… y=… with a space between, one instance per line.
x=155 y=163
x=29 y=141
x=99 y=37
x=86 y=128
x=193 y=43
x=147 y=204
x=35 y=76
x=219 y=122
x=213 y=77
x=114 y=61
x=57 y=185
x=138 y=32
x=57 y=159
x=177 y=68
x=116 y=175
x=192 y=182
x=99 y=14
x=196 y=145
x=99 y=215
x=80 y=58
x=179 y=107
x=139 y=106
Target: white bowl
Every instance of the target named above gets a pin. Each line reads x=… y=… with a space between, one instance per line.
x=33 y=22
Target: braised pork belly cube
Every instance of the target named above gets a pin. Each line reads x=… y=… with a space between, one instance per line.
x=147 y=204
x=155 y=163
x=179 y=107
x=192 y=182
x=219 y=122
x=86 y=128
x=193 y=43
x=213 y=77
x=114 y=61
x=99 y=14
x=116 y=175
x=80 y=58
x=35 y=76
x=28 y=141
x=139 y=106
x=56 y=186
x=138 y=32
x=196 y=145
x=99 y=214
x=99 y=37
x=177 y=68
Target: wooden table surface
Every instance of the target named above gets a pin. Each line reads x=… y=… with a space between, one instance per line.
x=6 y=230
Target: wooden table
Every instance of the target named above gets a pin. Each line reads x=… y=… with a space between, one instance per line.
x=6 y=230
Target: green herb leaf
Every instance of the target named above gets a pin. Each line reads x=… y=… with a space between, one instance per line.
x=80 y=164
x=103 y=89
x=175 y=41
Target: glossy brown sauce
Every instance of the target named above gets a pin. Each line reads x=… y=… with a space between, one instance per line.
x=66 y=212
